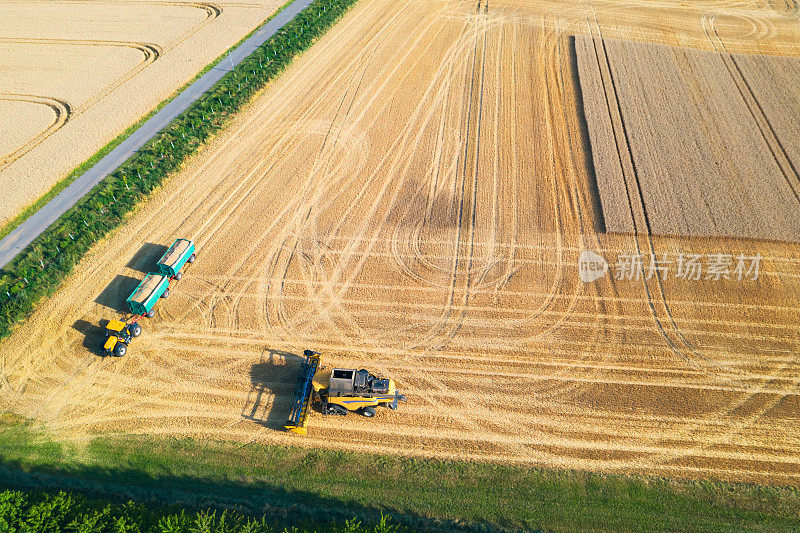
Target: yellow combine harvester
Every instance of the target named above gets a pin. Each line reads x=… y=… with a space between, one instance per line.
x=338 y=391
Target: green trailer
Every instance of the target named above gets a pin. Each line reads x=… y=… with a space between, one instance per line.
x=147 y=293
x=177 y=255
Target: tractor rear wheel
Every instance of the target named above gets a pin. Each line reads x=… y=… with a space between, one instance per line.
x=369 y=412
x=136 y=330
x=120 y=350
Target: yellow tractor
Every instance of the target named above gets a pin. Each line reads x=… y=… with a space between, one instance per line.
x=337 y=392
x=118 y=336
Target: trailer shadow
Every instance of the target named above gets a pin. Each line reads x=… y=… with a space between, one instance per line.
x=272 y=384
x=116 y=293
x=146 y=259
x=93 y=335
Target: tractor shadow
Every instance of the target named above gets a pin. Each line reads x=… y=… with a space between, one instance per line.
x=272 y=384
x=147 y=257
x=93 y=335
x=115 y=295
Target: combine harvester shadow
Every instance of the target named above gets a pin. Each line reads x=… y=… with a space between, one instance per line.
x=272 y=384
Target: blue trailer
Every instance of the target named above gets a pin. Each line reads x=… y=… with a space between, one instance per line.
x=153 y=287
x=176 y=256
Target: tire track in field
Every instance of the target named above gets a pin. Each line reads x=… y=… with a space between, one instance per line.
x=641 y=225
x=319 y=203
x=295 y=231
x=568 y=196
x=667 y=457
x=277 y=148
x=774 y=144
x=64 y=111
x=469 y=134
x=188 y=379
x=342 y=265
x=681 y=345
x=281 y=146
x=750 y=401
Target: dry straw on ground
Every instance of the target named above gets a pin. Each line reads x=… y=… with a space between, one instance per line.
x=412 y=197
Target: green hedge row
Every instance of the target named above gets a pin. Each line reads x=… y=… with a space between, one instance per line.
x=22 y=512
x=39 y=269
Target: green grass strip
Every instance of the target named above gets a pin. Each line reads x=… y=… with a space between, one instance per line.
x=419 y=494
x=39 y=269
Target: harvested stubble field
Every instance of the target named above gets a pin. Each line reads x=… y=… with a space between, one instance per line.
x=412 y=197
x=75 y=74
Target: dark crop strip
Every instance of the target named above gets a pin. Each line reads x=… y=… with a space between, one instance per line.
x=41 y=267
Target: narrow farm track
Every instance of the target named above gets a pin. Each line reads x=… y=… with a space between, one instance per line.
x=416 y=203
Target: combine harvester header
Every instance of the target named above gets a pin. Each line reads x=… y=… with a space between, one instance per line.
x=303 y=396
x=338 y=391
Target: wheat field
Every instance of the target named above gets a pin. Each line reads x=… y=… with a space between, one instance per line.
x=414 y=196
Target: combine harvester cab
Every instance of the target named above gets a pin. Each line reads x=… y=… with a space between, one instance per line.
x=176 y=256
x=147 y=293
x=339 y=391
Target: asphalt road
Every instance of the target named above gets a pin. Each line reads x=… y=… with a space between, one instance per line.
x=26 y=232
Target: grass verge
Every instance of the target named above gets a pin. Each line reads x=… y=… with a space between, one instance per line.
x=89 y=163
x=320 y=485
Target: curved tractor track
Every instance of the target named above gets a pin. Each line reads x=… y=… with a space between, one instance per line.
x=62 y=114
x=416 y=204
x=63 y=110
